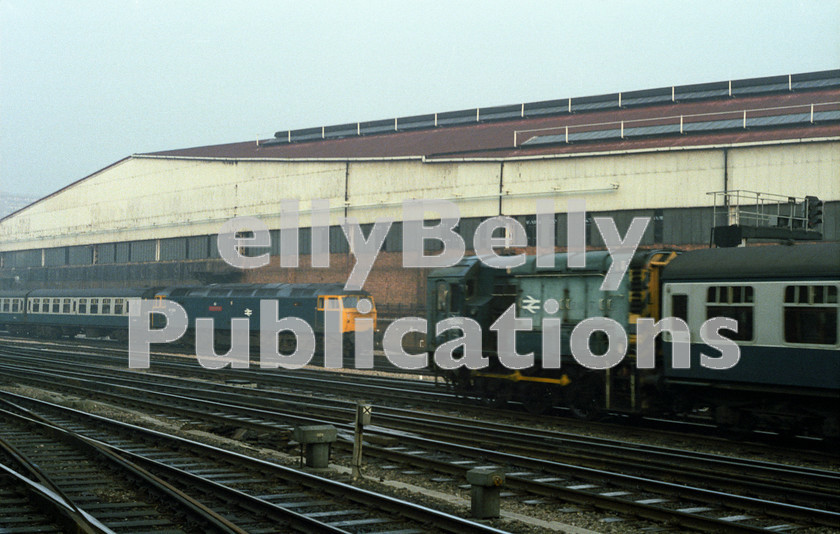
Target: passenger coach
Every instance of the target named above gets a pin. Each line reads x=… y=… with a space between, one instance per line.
x=54 y=313
x=785 y=299
x=13 y=311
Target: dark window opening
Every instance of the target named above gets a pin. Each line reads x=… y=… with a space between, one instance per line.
x=817 y=325
x=679 y=307
x=658 y=226
x=742 y=314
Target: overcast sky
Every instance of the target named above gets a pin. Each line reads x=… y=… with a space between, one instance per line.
x=86 y=83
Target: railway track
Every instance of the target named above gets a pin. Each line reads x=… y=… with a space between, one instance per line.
x=658 y=500
x=423 y=393
x=221 y=491
x=104 y=491
x=26 y=505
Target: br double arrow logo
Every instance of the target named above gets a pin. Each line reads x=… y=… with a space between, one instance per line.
x=530 y=303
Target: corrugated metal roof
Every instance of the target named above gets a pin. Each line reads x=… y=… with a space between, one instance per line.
x=776 y=108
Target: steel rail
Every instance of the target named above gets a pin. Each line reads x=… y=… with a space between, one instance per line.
x=55 y=505
x=764 y=477
x=424 y=515
x=799 y=513
x=401 y=390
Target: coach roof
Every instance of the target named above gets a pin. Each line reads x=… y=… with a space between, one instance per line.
x=814 y=261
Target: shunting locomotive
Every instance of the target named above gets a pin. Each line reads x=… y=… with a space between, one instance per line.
x=784 y=299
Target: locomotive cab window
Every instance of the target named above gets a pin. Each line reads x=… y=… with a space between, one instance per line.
x=328 y=303
x=442 y=296
x=810 y=314
x=471 y=288
x=735 y=302
x=456 y=298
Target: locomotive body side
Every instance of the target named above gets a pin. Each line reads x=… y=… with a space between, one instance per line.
x=224 y=302
x=571 y=295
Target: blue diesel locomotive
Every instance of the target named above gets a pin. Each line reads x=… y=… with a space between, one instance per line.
x=54 y=313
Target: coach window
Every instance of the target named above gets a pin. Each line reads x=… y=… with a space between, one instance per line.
x=15 y=305
x=811 y=314
x=106 y=306
x=735 y=302
x=679 y=306
x=82 y=306
x=66 y=307
x=34 y=305
x=94 y=306
x=56 y=305
x=118 y=306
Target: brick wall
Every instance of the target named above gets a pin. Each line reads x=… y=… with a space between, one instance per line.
x=389 y=282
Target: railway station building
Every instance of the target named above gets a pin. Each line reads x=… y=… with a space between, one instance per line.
x=764 y=145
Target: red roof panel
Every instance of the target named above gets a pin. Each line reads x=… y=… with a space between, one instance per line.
x=496 y=139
